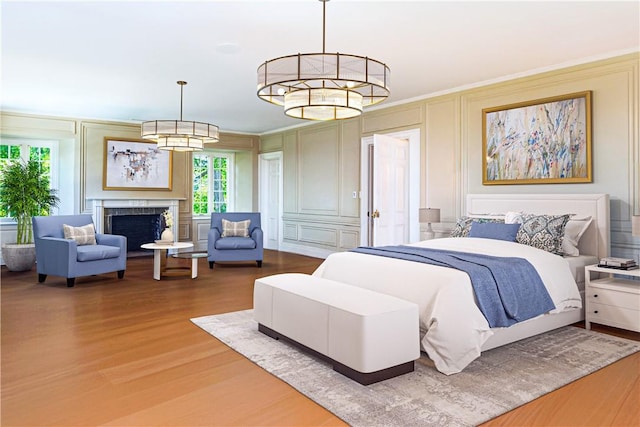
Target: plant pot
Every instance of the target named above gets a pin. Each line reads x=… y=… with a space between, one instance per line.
x=19 y=257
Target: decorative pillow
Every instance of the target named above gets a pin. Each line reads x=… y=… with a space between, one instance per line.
x=85 y=235
x=235 y=229
x=513 y=217
x=494 y=230
x=573 y=231
x=463 y=225
x=543 y=231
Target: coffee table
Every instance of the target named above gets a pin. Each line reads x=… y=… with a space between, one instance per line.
x=160 y=255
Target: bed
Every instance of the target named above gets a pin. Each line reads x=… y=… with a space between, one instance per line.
x=453 y=331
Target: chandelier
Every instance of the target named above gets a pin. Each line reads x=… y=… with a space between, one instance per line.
x=323 y=86
x=180 y=135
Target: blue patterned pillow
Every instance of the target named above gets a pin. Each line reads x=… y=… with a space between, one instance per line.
x=463 y=225
x=543 y=232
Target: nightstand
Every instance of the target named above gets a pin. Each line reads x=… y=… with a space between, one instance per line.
x=613 y=301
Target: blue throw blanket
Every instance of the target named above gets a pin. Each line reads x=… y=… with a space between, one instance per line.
x=508 y=290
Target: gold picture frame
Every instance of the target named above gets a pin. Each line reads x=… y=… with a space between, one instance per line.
x=545 y=141
x=136 y=164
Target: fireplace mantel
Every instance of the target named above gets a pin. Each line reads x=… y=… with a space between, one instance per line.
x=99 y=206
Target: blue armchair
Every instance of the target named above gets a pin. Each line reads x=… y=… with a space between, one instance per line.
x=235 y=248
x=58 y=256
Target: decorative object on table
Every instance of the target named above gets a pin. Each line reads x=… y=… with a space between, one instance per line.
x=546 y=141
x=323 y=86
x=131 y=164
x=24 y=193
x=618 y=263
x=167 y=233
x=180 y=135
x=429 y=216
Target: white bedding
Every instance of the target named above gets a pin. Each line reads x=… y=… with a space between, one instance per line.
x=452 y=328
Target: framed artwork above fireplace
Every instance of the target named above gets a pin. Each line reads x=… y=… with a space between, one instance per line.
x=132 y=164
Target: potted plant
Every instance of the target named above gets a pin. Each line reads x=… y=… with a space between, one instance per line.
x=24 y=192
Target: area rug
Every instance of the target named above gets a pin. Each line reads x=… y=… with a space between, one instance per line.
x=497 y=382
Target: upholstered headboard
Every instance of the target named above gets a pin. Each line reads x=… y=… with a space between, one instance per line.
x=595 y=241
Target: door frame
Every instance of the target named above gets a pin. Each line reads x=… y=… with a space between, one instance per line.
x=263 y=194
x=413 y=136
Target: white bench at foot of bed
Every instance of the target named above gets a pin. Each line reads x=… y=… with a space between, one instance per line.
x=367 y=336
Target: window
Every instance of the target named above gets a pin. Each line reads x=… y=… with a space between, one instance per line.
x=212 y=182
x=44 y=152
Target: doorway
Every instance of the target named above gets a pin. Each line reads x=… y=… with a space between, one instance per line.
x=270 y=198
x=390 y=188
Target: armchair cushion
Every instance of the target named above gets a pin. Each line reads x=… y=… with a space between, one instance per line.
x=235 y=243
x=235 y=229
x=84 y=235
x=95 y=252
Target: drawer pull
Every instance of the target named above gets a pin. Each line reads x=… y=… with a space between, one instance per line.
x=595 y=312
x=595 y=296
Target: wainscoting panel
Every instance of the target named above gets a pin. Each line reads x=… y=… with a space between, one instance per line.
x=349 y=239
x=290 y=232
x=318 y=235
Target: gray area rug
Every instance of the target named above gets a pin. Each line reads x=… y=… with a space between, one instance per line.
x=500 y=380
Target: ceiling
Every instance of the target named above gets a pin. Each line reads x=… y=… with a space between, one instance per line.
x=120 y=60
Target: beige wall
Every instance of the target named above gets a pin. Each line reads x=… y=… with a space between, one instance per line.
x=321 y=161
x=81 y=145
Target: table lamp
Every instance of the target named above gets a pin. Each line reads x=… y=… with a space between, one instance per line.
x=429 y=216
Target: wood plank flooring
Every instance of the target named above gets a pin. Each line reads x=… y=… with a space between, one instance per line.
x=124 y=353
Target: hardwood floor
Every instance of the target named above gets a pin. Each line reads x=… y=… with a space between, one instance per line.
x=124 y=353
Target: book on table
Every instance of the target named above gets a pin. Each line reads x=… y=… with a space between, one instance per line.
x=617 y=262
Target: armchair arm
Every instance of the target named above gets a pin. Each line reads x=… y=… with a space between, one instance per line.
x=55 y=255
x=256 y=234
x=112 y=240
x=213 y=235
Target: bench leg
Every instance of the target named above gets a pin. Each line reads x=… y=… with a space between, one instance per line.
x=364 y=378
x=71 y=281
x=259 y=263
x=41 y=278
x=211 y=264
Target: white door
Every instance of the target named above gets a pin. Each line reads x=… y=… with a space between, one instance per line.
x=271 y=198
x=390 y=183
x=390 y=189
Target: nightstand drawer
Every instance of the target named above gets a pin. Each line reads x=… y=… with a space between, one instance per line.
x=614 y=316
x=613 y=297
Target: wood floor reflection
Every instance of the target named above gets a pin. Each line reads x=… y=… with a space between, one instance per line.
x=124 y=353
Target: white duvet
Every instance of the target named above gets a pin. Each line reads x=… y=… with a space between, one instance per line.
x=452 y=328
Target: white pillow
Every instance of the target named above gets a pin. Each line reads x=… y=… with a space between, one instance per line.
x=513 y=217
x=573 y=231
x=85 y=235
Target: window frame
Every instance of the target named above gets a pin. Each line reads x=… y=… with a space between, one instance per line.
x=25 y=145
x=211 y=155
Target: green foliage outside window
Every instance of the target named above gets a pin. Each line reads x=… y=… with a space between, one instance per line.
x=39 y=155
x=210 y=184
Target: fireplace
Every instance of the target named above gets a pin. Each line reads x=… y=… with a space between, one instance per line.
x=139 y=220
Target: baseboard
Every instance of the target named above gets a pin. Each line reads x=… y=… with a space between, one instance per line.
x=305 y=250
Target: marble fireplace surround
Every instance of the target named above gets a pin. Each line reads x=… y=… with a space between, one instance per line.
x=106 y=206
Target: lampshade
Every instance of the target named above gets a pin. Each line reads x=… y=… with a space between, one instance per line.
x=323 y=86
x=180 y=135
x=429 y=215
x=635 y=225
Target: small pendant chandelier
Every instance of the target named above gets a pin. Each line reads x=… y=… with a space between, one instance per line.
x=323 y=86
x=180 y=135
